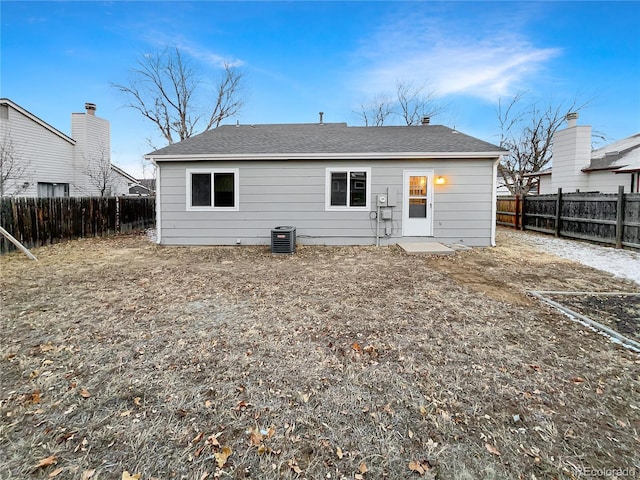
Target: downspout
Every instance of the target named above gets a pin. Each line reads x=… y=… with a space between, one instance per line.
x=494 y=206
x=158 y=211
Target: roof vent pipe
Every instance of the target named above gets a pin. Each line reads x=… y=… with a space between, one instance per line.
x=90 y=108
x=572 y=119
x=426 y=120
x=321 y=114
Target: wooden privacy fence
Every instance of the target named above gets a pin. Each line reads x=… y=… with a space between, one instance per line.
x=41 y=221
x=599 y=217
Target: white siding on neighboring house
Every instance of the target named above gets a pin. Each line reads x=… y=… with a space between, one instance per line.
x=122 y=182
x=545 y=185
x=276 y=193
x=577 y=167
x=606 y=181
x=54 y=163
x=92 y=155
x=571 y=153
x=44 y=153
x=119 y=184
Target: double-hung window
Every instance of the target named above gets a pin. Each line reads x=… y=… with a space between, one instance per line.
x=212 y=189
x=348 y=188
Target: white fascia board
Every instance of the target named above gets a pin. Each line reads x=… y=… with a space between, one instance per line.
x=325 y=156
x=37 y=120
x=121 y=172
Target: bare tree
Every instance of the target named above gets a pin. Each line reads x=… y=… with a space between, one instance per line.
x=166 y=89
x=527 y=132
x=410 y=105
x=13 y=167
x=229 y=100
x=98 y=170
x=148 y=179
x=415 y=103
x=377 y=111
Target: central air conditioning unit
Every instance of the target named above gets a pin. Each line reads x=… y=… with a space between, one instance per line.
x=283 y=240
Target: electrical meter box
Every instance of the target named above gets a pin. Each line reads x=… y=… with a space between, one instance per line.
x=382 y=200
x=386 y=214
x=391 y=197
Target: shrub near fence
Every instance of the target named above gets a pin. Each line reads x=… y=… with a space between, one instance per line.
x=604 y=218
x=41 y=221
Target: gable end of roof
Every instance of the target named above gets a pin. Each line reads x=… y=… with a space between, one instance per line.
x=34 y=118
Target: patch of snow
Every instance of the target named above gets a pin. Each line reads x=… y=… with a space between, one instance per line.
x=621 y=263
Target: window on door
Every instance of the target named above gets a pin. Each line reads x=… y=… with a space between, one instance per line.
x=417 y=196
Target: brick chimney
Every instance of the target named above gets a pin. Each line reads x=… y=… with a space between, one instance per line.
x=571 y=152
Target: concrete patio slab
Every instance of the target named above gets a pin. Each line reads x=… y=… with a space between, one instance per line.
x=426 y=248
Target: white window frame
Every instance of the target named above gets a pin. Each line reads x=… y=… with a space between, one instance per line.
x=348 y=171
x=212 y=171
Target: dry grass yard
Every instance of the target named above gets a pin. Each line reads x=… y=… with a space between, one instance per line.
x=118 y=355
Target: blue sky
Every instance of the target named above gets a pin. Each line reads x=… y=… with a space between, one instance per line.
x=300 y=58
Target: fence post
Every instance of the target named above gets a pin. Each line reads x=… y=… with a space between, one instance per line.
x=620 y=216
x=522 y=212
x=516 y=213
x=558 y=212
x=118 y=207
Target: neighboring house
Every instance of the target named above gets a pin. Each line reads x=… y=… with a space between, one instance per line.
x=39 y=160
x=578 y=168
x=337 y=185
x=124 y=184
x=149 y=184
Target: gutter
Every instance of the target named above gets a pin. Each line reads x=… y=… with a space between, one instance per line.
x=325 y=156
x=158 y=211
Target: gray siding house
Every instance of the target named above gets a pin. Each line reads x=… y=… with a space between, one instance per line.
x=337 y=185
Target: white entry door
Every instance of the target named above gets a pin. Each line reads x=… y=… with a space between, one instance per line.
x=417 y=207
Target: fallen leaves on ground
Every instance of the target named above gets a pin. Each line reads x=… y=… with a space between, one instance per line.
x=56 y=472
x=128 y=476
x=293 y=465
x=45 y=462
x=35 y=397
x=421 y=467
x=491 y=449
x=222 y=456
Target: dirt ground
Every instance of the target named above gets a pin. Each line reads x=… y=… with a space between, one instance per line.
x=118 y=355
x=618 y=312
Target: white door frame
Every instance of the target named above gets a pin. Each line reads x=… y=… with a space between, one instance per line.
x=417 y=227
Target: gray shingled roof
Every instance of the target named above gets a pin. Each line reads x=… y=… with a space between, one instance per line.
x=621 y=155
x=331 y=138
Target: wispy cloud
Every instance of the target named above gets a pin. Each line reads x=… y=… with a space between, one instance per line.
x=193 y=49
x=207 y=56
x=478 y=60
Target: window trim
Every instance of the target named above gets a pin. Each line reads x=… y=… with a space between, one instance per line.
x=65 y=186
x=348 y=171
x=213 y=208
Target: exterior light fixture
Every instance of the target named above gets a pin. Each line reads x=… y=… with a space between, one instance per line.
x=440 y=180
